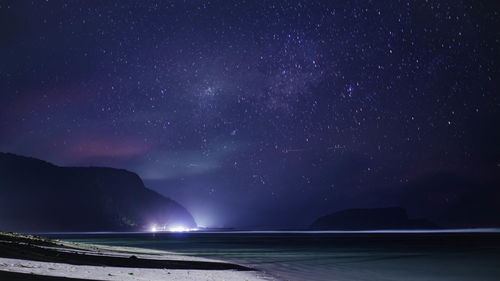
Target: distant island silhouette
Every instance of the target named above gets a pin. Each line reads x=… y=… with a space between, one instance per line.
x=38 y=196
x=370 y=219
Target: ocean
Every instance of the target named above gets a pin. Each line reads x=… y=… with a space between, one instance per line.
x=322 y=256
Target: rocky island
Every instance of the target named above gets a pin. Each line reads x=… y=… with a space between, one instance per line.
x=370 y=219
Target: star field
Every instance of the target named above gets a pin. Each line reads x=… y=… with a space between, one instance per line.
x=262 y=113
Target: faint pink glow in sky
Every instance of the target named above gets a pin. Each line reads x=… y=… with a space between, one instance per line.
x=120 y=147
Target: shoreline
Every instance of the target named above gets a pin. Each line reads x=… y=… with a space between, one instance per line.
x=28 y=257
x=298 y=231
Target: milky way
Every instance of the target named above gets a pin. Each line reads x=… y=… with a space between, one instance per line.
x=262 y=113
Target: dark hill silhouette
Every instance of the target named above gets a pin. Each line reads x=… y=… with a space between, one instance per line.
x=370 y=219
x=38 y=196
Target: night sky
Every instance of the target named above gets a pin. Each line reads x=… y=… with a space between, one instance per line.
x=264 y=113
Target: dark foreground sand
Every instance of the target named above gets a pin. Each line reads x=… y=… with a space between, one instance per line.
x=26 y=257
x=14 y=276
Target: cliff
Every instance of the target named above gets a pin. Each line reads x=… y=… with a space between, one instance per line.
x=38 y=196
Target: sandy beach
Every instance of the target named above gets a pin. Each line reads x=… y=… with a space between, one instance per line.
x=27 y=257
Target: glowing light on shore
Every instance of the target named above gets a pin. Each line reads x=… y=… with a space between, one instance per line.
x=181 y=229
x=176 y=228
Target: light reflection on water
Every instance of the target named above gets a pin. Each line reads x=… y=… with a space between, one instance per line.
x=332 y=255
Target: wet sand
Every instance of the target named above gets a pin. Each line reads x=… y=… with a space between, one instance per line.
x=26 y=257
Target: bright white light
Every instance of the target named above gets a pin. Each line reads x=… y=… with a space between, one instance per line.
x=181 y=229
x=174 y=228
x=178 y=229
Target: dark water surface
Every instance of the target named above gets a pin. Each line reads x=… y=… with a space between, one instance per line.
x=331 y=256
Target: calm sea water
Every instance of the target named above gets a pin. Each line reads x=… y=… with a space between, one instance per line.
x=331 y=256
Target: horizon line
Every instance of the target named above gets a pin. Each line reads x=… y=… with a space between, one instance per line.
x=382 y=231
